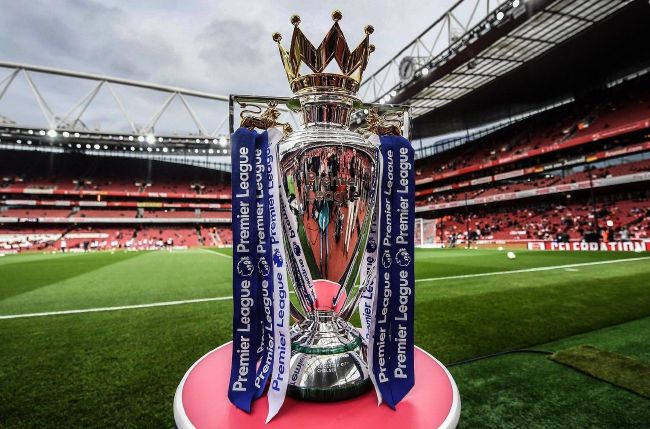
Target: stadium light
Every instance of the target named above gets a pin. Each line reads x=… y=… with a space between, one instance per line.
x=87 y=146
x=198 y=140
x=149 y=149
x=151 y=139
x=132 y=148
x=78 y=146
x=223 y=141
x=29 y=142
x=210 y=151
x=130 y=138
x=365 y=111
x=425 y=71
x=76 y=134
x=42 y=132
x=165 y=149
x=500 y=15
x=393 y=93
x=66 y=134
x=160 y=139
x=515 y=3
x=19 y=141
x=96 y=147
x=140 y=139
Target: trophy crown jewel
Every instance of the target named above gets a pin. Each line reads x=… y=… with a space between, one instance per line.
x=352 y=63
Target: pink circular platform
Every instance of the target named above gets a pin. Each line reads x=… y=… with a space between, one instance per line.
x=201 y=402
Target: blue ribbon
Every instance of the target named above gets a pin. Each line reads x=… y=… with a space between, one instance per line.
x=403 y=274
x=246 y=323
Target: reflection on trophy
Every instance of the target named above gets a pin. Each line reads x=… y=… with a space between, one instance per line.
x=330 y=181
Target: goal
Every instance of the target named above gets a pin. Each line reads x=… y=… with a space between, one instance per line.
x=426 y=233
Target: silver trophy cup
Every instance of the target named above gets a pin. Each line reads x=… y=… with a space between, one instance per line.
x=329 y=177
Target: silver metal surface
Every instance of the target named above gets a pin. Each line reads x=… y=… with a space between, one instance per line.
x=329 y=175
x=328 y=360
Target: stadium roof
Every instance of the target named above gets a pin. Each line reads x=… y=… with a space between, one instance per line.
x=500 y=49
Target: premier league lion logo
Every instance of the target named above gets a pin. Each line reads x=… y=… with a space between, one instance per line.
x=296 y=249
x=263 y=267
x=386 y=260
x=372 y=245
x=277 y=259
x=403 y=258
x=245 y=267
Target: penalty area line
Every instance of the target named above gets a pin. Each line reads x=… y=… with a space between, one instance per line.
x=532 y=270
x=121 y=307
x=217 y=253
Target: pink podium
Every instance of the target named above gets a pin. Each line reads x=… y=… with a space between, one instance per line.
x=201 y=402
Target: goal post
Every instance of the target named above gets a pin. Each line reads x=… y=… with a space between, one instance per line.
x=426 y=233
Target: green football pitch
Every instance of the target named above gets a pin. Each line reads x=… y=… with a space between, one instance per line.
x=84 y=341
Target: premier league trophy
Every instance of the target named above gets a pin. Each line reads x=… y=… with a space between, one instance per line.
x=330 y=179
x=322 y=207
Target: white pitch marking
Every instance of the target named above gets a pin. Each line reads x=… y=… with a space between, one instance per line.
x=530 y=270
x=121 y=307
x=571 y=269
x=217 y=253
x=224 y=298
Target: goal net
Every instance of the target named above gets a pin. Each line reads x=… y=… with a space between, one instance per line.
x=426 y=233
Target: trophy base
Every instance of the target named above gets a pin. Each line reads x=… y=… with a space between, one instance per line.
x=328 y=360
x=200 y=403
x=331 y=394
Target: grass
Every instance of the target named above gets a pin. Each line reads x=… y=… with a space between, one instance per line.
x=619 y=370
x=121 y=368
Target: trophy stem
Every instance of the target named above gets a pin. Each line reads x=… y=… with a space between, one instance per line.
x=328 y=361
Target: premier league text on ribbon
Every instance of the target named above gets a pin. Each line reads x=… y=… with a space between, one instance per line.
x=402 y=239
x=242 y=247
x=382 y=301
x=264 y=271
x=246 y=317
x=402 y=308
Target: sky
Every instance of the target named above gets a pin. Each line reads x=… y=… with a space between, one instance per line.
x=217 y=46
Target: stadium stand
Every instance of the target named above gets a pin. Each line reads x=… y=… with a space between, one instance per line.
x=71 y=201
x=575 y=172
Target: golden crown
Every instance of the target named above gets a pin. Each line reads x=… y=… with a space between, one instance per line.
x=333 y=46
